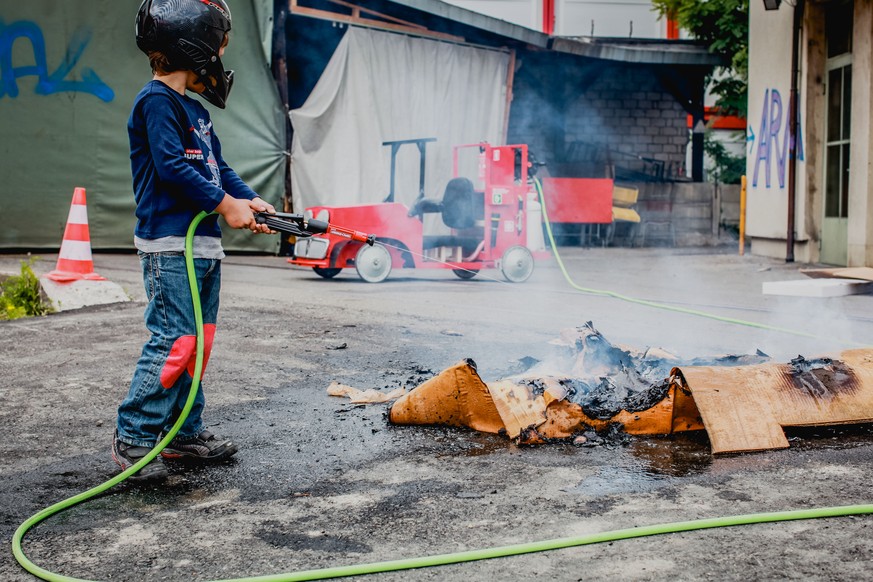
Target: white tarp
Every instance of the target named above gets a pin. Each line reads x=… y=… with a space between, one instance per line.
x=381 y=86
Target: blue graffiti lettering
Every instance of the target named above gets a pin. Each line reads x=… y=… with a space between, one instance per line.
x=47 y=84
x=773 y=138
x=763 y=146
x=768 y=139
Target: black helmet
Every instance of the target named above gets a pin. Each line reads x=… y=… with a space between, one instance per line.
x=189 y=33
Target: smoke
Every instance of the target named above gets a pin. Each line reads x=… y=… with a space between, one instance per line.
x=829 y=320
x=519 y=321
x=559 y=101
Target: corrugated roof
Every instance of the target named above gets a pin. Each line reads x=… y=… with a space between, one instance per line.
x=645 y=51
x=628 y=50
x=478 y=20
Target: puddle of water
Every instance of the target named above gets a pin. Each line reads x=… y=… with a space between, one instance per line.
x=615 y=479
x=680 y=455
x=650 y=463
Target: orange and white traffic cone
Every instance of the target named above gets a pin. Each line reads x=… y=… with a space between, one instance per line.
x=74 y=259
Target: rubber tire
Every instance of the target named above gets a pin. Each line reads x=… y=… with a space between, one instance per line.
x=373 y=263
x=465 y=274
x=517 y=264
x=327 y=273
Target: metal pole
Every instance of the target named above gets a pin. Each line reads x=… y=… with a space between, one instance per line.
x=697 y=134
x=742 y=216
x=792 y=147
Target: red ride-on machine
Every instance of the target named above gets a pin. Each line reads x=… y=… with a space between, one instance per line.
x=487 y=223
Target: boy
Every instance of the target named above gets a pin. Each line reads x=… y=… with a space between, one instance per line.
x=178 y=171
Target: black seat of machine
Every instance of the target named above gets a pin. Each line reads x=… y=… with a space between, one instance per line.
x=461 y=207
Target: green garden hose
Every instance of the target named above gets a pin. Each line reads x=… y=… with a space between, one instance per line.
x=655 y=304
x=84 y=496
x=393 y=565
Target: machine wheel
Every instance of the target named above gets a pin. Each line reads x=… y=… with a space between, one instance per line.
x=328 y=273
x=373 y=263
x=517 y=264
x=465 y=273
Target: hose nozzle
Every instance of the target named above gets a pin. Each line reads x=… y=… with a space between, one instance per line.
x=297 y=225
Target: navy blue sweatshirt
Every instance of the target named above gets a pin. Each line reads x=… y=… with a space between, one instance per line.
x=177 y=167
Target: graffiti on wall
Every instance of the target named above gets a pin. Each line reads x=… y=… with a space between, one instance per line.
x=47 y=83
x=774 y=140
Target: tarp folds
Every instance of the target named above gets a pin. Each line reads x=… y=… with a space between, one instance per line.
x=380 y=86
x=70 y=72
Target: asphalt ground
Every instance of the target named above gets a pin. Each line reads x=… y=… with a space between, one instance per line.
x=319 y=482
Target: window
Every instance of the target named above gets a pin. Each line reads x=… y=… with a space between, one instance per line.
x=839 y=110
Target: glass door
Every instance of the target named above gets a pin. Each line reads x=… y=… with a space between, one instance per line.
x=838 y=124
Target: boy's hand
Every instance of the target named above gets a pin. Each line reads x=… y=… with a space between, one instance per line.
x=258 y=205
x=237 y=213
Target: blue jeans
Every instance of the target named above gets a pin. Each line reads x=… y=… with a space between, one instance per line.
x=163 y=374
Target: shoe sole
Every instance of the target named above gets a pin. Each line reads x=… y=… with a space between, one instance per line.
x=157 y=474
x=222 y=454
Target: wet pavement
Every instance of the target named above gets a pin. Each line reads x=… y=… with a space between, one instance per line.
x=320 y=482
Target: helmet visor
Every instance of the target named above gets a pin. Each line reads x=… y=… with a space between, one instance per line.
x=216 y=85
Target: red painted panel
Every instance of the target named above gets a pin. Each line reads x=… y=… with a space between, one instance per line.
x=548 y=16
x=711 y=116
x=582 y=200
x=672 y=29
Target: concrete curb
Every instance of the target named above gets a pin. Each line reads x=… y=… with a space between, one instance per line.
x=78 y=294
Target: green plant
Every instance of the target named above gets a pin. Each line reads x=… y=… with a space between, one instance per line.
x=726 y=168
x=20 y=295
x=724 y=26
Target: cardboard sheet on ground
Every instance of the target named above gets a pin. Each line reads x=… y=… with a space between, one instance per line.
x=745 y=409
x=458 y=397
x=860 y=273
x=358 y=396
x=742 y=407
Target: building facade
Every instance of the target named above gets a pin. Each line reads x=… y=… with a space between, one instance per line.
x=810 y=198
x=577 y=18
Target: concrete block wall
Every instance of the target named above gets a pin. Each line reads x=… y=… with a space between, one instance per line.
x=627 y=110
x=623 y=109
x=673 y=214
x=729 y=205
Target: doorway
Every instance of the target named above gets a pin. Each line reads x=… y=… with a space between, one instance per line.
x=838 y=124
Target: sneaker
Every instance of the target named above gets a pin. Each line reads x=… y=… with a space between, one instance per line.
x=204 y=447
x=128 y=455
